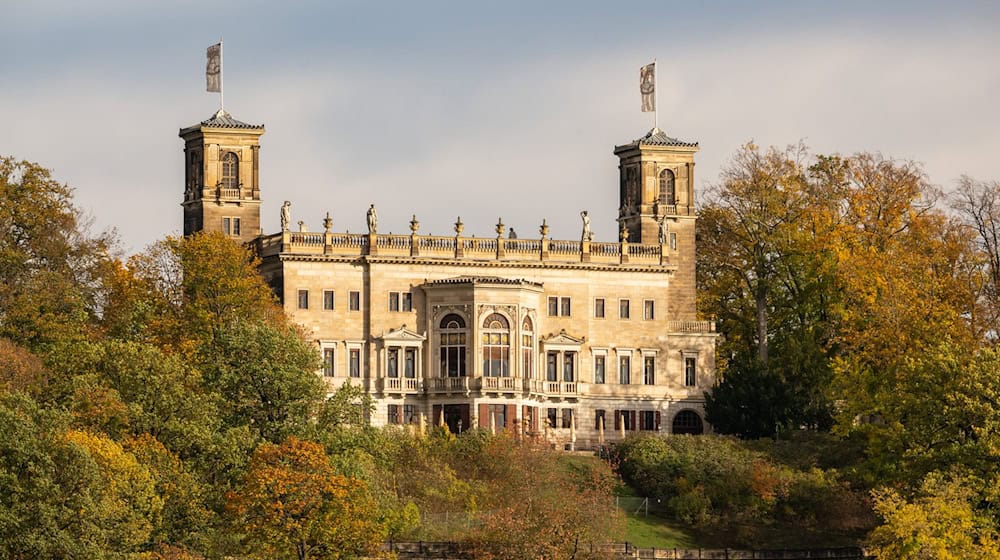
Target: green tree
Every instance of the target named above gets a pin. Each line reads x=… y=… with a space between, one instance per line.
x=50 y=265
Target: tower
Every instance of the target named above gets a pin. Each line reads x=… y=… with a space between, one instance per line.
x=657 y=205
x=221 y=177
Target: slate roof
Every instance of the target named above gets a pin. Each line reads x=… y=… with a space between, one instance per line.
x=222 y=119
x=657 y=137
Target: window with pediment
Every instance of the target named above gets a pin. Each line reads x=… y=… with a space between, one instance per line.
x=496 y=346
x=452 y=338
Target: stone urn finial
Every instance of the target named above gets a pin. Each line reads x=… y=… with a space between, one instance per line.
x=327 y=223
x=414 y=224
x=459 y=226
x=624 y=234
x=544 y=228
x=500 y=227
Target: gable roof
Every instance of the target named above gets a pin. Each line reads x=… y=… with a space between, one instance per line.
x=222 y=119
x=657 y=137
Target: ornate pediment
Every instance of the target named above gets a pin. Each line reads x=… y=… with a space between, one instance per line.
x=563 y=338
x=402 y=334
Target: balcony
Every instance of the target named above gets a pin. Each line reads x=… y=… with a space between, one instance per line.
x=696 y=327
x=500 y=384
x=554 y=388
x=404 y=385
x=448 y=385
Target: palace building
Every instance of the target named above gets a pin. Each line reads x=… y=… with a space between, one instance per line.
x=575 y=340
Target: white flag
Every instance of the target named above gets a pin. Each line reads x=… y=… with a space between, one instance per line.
x=647 y=86
x=213 y=70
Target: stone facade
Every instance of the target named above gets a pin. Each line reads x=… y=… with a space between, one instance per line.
x=578 y=341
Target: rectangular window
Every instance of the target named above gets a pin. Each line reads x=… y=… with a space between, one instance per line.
x=599 y=420
x=410 y=414
x=599 y=369
x=623 y=309
x=226 y=228
x=648 y=311
x=355 y=301
x=395 y=414
x=624 y=370
x=497 y=413
x=649 y=371
x=355 y=362
x=328 y=362
x=567 y=418
x=552 y=366
x=690 y=371
x=624 y=419
x=673 y=241
x=392 y=362
x=552 y=415
x=236 y=227
x=564 y=307
x=406 y=301
x=553 y=307
x=647 y=420
x=599 y=308
x=410 y=363
x=569 y=361
x=393 y=301
x=328 y=300
x=303 y=299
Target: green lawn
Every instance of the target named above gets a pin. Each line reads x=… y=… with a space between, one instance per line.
x=650 y=531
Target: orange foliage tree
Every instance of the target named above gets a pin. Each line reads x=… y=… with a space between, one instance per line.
x=292 y=504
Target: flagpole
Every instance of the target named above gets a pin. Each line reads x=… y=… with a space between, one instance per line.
x=222 y=95
x=656 y=93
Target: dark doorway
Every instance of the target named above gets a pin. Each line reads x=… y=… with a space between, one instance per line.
x=687 y=422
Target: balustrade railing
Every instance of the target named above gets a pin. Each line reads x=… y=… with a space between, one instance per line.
x=691 y=326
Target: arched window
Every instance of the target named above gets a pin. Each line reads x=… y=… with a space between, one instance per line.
x=230 y=171
x=667 y=187
x=496 y=346
x=527 y=349
x=452 y=338
x=687 y=422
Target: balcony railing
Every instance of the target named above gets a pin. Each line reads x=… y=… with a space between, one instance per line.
x=501 y=383
x=449 y=384
x=698 y=327
x=402 y=385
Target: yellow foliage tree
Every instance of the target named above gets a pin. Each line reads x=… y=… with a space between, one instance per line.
x=292 y=504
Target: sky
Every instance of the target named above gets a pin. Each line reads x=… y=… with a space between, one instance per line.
x=483 y=110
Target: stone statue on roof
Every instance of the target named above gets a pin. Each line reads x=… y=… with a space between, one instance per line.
x=588 y=234
x=286 y=215
x=372 y=219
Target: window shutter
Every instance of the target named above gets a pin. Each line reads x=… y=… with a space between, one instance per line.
x=399 y=414
x=657 y=427
x=509 y=416
x=618 y=420
x=632 y=423
x=484 y=416
x=436 y=413
x=534 y=419
x=463 y=414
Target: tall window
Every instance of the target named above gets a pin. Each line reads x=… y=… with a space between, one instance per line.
x=328 y=300
x=355 y=362
x=452 y=340
x=552 y=366
x=303 y=299
x=599 y=308
x=667 y=187
x=230 y=171
x=624 y=310
x=690 y=371
x=599 y=366
x=649 y=371
x=569 y=362
x=527 y=349
x=496 y=346
x=328 y=362
x=648 y=310
x=559 y=306
x=625 y=370
x=354 y=303
x=392 y=362
x=410 y=363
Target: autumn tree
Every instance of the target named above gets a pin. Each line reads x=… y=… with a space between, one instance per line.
x=977 y=204
x=50 y=263
x=764 y=275
x=291 y=504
